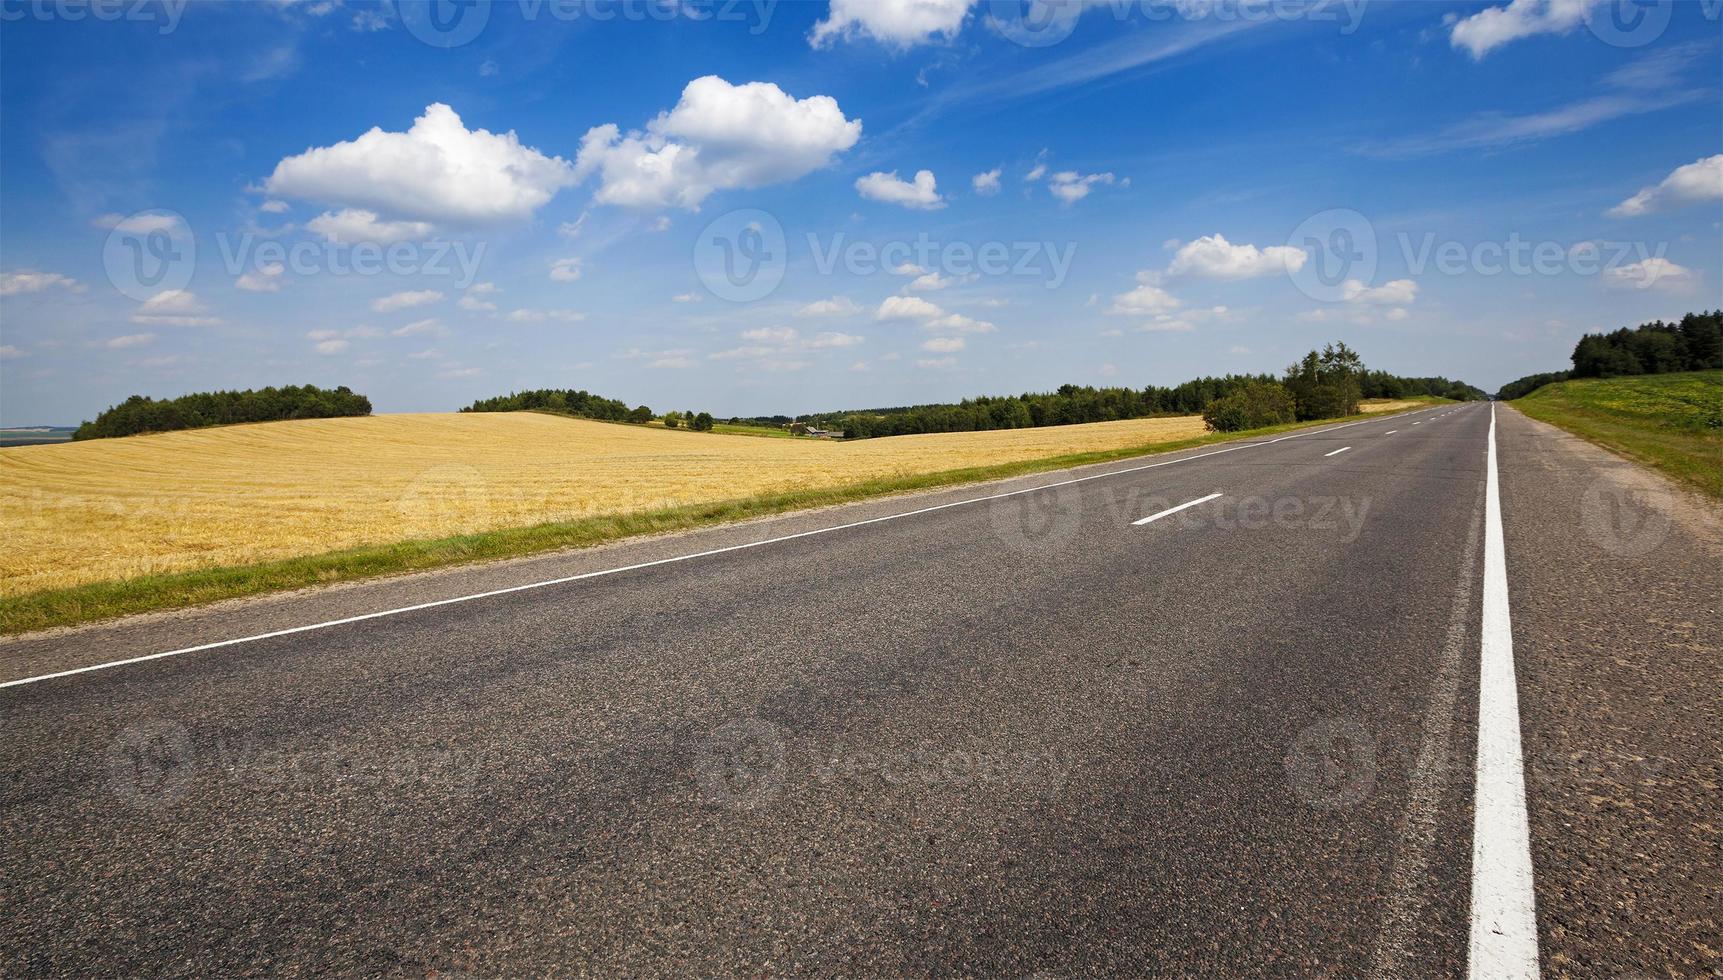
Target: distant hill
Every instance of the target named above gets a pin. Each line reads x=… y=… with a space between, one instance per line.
x=35 y=435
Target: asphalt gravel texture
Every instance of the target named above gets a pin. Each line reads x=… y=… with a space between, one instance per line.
x=1017 y=736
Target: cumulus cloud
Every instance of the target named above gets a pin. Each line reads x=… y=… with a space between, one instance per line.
x=265 y=278
x=1693 y=183
x=405 y=300
x=1398 y=292
x=273 y=207
x=1489 y=29
x=943 y=345
x=330 y=346
x=130 y=340
x=31 y=281
x=832 y=338
x=958 y=323
x=351 y=225
x=773 y=335
x=1213 y=257
x=897 y=23
x=907 y=308
x=888 y=188
x=566 y=270
x=421 y=328
x=1147 y=298
x=718 y=136
x=437 y=172
x=987 y=184
x=836 y=306
x=1070 y=186
x=1653 y=272
x=174 y=308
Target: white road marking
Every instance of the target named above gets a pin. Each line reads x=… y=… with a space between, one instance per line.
x=1336 y=452
x=1174 y=510
x=1504 y=940
x=1390 y=432
x=661 y=561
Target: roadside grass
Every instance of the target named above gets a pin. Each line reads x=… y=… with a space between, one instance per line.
x=181 y=590
x=1672 y=422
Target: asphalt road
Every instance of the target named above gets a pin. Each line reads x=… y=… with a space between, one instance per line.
x=1024 y=735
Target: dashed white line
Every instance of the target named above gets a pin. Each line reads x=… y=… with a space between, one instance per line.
x=237 y=641
x=1390 y=432
x=1174 y=510
x=1504 y=934
x=1336 y=452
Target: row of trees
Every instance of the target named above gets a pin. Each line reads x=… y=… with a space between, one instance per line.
x=701 y=422
x=1324 y=384
x=139 y=414
x=565 y=401
x=1693 y=344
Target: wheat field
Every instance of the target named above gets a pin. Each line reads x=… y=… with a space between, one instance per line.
x=119 y=508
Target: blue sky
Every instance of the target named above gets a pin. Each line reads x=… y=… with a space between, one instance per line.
x=425 y=204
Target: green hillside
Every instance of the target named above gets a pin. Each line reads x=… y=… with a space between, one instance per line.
x=1673 y=422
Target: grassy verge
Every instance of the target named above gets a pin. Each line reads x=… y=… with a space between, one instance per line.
x=1672 y=422
x=105 y=600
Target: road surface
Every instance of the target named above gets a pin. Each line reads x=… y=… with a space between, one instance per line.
x=1216 y=713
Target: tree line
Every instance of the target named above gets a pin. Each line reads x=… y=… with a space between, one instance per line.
x=565 y=401
x=1324 y=384
x=139 y=413
x=1693 y=344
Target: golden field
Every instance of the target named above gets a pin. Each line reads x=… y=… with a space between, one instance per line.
x=118 y=508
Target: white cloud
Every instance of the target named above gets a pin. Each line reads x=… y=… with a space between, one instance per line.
x=349 y=226
x=571 y=229
x=944 y=345
x=418 y=328
x=772 y=335
x=672 y=361
x=896 y=23
x=31 y=281
x=987 y=184
x=273 y=207
x=958 y=323
x=265 y=278
x=330 y=346
x=455 y=373
x=545 y=316
x=436 y=172
x=1213 y=257
x=1071 y=187
x=836 y=306
x=718 y=136
x=933 y=281
x=473 y=300
x=145 y=223
x=1489 y=29
x=1167 y=324
x=10 y=353
x=405 y=300
x=937 y=363
x=1653 y=272
x=888 y=188
x=566 y=270
x=832 y=338
x=907 y=269
x=1693 y=183
x=1145 y=299
x=685 y=298
x=130 y=340
x=907 y=308
x=1398 y=292
x=173 y=308
x=1397 y=314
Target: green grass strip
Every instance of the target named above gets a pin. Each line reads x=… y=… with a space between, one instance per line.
x=1671 y=422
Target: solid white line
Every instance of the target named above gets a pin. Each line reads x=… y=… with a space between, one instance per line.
x=662 y=561
x=1504 y=940
x=1390 y=432
x=1174 y=510
x=1336 y=452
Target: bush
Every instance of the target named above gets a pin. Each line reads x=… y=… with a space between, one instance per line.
x=701 y=422
x=139 y=414
x=1254 y=406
